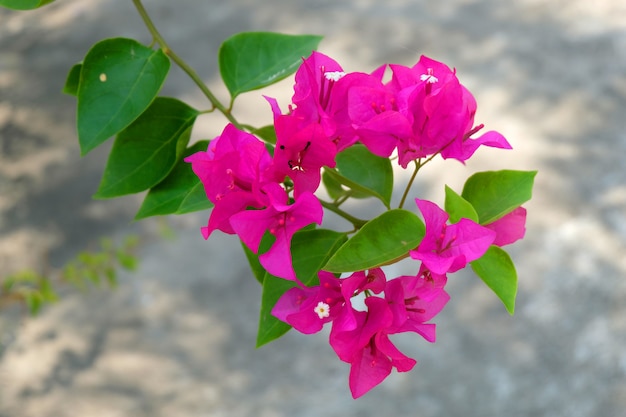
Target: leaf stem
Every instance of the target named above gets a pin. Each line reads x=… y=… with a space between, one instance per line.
x=182 y=64
x=358 y=223
x=418 y=165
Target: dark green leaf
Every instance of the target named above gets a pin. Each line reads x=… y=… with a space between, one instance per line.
x=253 y=259
x=381 y=240
x=180 y=192
x=494 y=194
x=496 y=269
x=270 y=328
x=364 y=172
x=252 y=60
x=73 y=78
x=24 y=4
x=310 y=250
x=118 y=81
x=457 y=207
x=146 y=151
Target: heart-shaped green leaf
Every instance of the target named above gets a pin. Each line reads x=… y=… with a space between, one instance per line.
x=494 y=194
x=180 y=192
x=310 y=249
x=496 y=269
x=381 y=240
x=118 y=81
x=146 y=151
x=252 y=60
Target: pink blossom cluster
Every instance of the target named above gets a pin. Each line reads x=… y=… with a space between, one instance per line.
x=420 y=112
x=361 y=338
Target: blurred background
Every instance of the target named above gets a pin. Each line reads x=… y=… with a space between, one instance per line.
x=177 y=337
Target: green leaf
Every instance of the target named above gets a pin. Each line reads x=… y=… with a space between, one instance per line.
x=24 y=4
x=180 y=192
x=457 y=207
x=332 y=184
x=381 y=240
x=118 y=81
x=310 y=250
x=267 y=133
x=146 y=151
x=364 y=172
x=73 y=79
x=496 y=269
x=252 y=60
x=253 y=259
x=255 y=266
x=494 y=194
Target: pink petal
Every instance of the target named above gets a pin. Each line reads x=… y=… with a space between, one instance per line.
x=509 y=228
x=368 y=370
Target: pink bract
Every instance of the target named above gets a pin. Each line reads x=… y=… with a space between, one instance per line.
x=448 y=248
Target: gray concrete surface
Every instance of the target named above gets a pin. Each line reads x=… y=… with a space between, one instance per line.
x=177 y=337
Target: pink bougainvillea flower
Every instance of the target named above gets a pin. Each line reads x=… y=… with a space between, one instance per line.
x=373 y=112
x=282 y=220
x=231 y=170
x=448 y=248
x=441 y=112
x=307 y=309
x=227 y=206
x=341 y=108
x=367 y=347
x=315 y=80
x=509 y=228
x=414 y=300
x=300 y=153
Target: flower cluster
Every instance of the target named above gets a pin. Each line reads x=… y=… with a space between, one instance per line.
x=418 y=113
x=360 y=338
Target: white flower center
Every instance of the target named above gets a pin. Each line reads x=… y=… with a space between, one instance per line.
x=429 y=77
x=334 y=75
x=322 y=309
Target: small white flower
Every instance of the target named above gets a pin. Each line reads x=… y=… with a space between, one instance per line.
x=322 y=309
x=334 y=75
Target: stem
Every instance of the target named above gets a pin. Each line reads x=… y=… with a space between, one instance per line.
x=418 y=165
x=182 y=64
x=358 y=223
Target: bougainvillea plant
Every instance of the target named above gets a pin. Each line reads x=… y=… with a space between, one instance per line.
x=337 y=140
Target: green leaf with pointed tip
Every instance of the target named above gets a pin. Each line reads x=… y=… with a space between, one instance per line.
x=180 y=192
x=146 y=151
x=365 y=173
x=252 y=60
x=24 y=4
x=457 y=207
x=118 y=81
x=310 y=250
x=380 y=241
x=72 y=81
x=494 y=194
x=496 y=269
